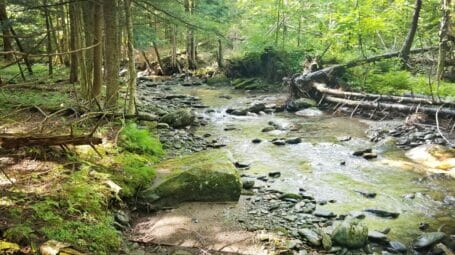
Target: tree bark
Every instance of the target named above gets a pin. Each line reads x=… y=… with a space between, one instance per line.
x=14 y=142
x=131 y=64
x=49 y=38
x=111 y=53
x=443 y=39
x=73 y=43
x=220 y=54
x=405 y=50
x=97 y=52
x=7 y=37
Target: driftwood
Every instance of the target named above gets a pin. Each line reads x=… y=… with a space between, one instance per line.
x=12 y=141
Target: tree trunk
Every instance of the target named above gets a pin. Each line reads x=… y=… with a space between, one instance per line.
x=88 y=15
x=7 y=38
x=111 y=53
x=443 y=39
x=405 y=50
x=49 y=38
x=190 y=39
x=13 y=141
x=73 y=43
x=174 y=47
x=97 y=52
x=158 y=58
x=131 y=64
x=220 y=54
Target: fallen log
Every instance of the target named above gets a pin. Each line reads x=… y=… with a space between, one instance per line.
x=12 y=141
x=322 y=88
x=392 y=106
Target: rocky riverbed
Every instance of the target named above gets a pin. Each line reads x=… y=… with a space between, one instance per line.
x=318 y=181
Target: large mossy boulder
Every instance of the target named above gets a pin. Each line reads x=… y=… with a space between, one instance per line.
x=208 y=176
x=351 y=233
x=178 y=119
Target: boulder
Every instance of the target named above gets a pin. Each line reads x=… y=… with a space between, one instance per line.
x=178 y=119
x=351 y=233
x=428 y=239
x=204 y=176
x=301 y=103
x=433 y=156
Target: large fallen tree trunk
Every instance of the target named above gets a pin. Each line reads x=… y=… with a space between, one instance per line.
x=431 y=110
x=11 y=141
x=318 y=85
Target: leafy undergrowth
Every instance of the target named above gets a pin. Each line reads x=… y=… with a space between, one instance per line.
x=387 y=77
x=21 y=98
x=11 y=74
x=75 y=200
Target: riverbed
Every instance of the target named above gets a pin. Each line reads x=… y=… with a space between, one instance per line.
x=323 y=164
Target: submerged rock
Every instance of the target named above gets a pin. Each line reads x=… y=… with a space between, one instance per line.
x=300 y=104
x=396 y=246
x=311 y=235
x=310 y=112
x=178 y=119
x=383 y=214
x=202 y=176
x=377 y=236
x=351 y=233
x=428 y=239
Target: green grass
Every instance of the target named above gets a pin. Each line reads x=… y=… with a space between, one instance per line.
x=138 y=140
x=11 y=74
x=48 y=99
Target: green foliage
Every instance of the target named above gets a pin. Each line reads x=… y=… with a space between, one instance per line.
x=135 y=172
x=15 y=98
x=20 y=233
x=99 y=237
x=139 y=140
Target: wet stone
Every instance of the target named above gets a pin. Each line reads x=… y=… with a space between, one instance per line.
x=428 y=239
x=324 y=213
x=275 y=174
x=396 y=246
x=376 y=236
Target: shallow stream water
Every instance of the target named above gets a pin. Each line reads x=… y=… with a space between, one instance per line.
x=316 y=164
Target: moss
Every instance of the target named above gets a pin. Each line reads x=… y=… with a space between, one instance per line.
x=135 y=172
x=8 y=248
x=140 y=140
x=46 y=99
x=204 y=176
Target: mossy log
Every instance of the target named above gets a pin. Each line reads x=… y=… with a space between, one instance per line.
x=13 y=141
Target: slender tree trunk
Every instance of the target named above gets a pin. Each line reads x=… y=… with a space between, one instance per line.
x=88 y=15
x=64 y=40
x=49 y=38
x=73 y=42
x=21 y=49
x=131 y=64
x=299 y=31
x=220 y=54
x=443 y=41
x=404 y=53
x=97 y=51
x=81 y=55
x=174 y=46
x=111 y=53
x=190 y=39
x=158 y=57
x=7 y=38
x=278 y=19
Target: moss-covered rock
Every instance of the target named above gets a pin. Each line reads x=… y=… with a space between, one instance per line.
x=178 y=119
x=301 y=103
x=351 y=233
x=203 y=176
x=8 y=248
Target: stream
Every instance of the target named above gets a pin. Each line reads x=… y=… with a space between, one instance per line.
x=323 y=166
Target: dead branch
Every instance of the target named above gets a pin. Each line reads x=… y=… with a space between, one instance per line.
x=14 y=141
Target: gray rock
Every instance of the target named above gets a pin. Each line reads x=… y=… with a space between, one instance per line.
x=357 y=215
x=351 y=233
x=178 y=119
x=295 y=140
x=311 y=235
x=382 y=213
x=275 y=174
x=300 y=104
x=162 y=126
x=376 y=236
x=256 y=140
x=366 y=194
x=279 y=142
x=268 y=129
x=428 y=239
x=396 y=246
x=247 y=184
x=324 y=213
